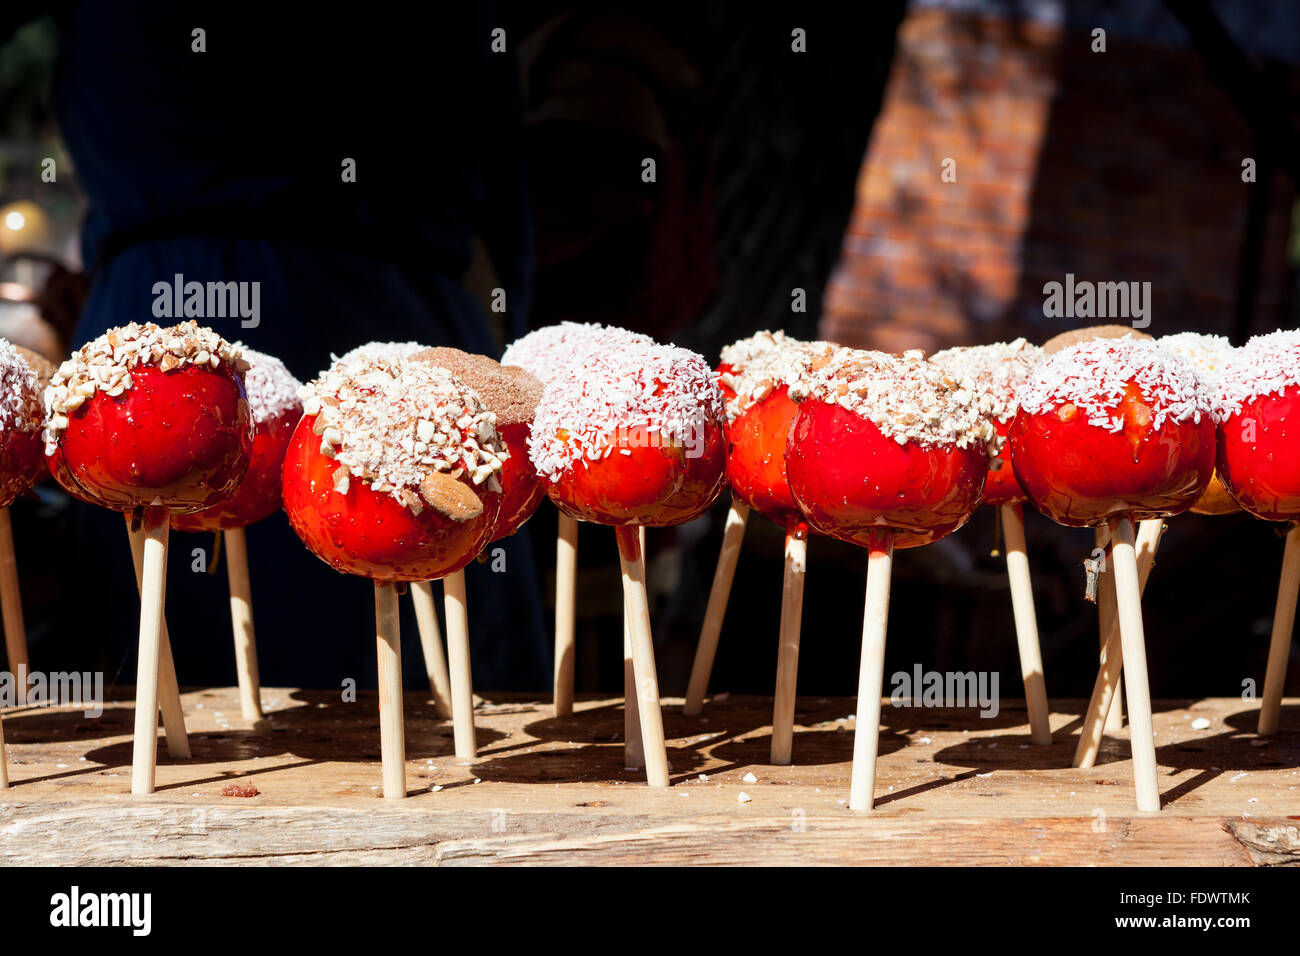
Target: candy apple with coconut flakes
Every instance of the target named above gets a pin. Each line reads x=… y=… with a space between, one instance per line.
x=1257 y=395
x=393 y=474
x=634 y=437
x=1111 y=432
x=547 y=353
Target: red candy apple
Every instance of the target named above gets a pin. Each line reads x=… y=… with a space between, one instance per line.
x=21 y=460
x=275 y=407
x=167 y=422
x=1259 y=451
x=634 y=437
x=380 y=479
x=1113 y=428
x=906 y=459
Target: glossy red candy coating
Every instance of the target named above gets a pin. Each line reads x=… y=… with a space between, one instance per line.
x=1082 y=475
x=652 y=486
x=1002 y=488
x=258 y=494
x=756 y=456
x=851 y=481
x=372 y=534
x=521 y=489
x=1259 y=455
x=182 y=437
x=22 y=460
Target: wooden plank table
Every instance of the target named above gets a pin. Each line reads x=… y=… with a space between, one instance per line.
x=952 y=788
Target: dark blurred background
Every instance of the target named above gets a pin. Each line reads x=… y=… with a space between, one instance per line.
x=778 y=171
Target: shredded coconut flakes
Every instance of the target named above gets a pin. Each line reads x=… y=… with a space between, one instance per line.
x=1266 y=365
x=1206 y=354
x=550 y=351
x=764 y=362
x=272 y=389
x=908 y=398
x=20 y=400
x=394 y=423
x=1094 y=375
x=104 y=365
x=640 y=390
x=383 y=350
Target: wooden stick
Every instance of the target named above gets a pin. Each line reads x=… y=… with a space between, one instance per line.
x=733 y=534
x=435 y=660
x=11 y=602
x=153 y=595
x=633 y=747
x=1128 y=598
x=1107 y=687
x=871 y=673
x=169 y=691
x=787 y=654
x=631 y=555
x=462 y=682
x=4 y=760
x=241 y=619
x=1108 y=620
x=566 y=589
x=392 y=728
x=1279 y=645
x=1022 y=608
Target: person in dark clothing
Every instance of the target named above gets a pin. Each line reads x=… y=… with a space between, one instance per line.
x=354 y=171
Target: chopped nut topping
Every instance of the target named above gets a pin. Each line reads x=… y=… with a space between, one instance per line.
x=105 y=364
x=764 y=362
x=371 y=414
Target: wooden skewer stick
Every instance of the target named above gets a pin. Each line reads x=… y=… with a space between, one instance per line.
x=871 y=673
x=631 y=555
x=4 y=760
x=241 y=620
x=1279 y=645
x=787 y=655
x=462 y=681
x=1128 y=598
x=1022 y=607
x=633 y=749
x=1106 y=690
x=153 y=594
x=11 y=602
x=1108 y=620
x=733 y=534
x=566 y=587
x=435 y=660
x=392 y=728
x=169 y=691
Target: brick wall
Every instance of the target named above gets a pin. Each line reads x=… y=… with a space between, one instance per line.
x=1123 y=165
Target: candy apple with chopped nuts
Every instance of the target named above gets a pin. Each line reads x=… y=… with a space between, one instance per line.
x=996 y=372
x=151 y=421
x=885 y=452
x=634 y=437
x=393 y=474
x=754 y=378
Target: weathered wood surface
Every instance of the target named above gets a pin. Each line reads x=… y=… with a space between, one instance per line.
x=951 y=789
